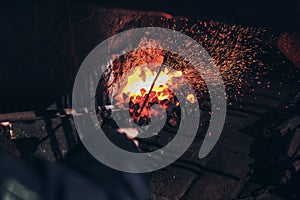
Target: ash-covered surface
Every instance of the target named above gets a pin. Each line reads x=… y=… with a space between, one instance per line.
x=258 y=79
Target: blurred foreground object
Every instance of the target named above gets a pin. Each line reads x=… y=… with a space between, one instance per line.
x=79 y=176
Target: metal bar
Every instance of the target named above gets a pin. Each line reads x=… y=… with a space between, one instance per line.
x=27 y=116
x=152 y=85
x=68 y=112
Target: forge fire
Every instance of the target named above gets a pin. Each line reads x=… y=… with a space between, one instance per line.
x=147 y=86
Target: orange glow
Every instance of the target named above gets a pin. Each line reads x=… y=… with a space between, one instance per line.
x=139 y=83
x=137 y=87
x=191 y=98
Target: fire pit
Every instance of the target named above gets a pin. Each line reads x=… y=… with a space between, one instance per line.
x=145 y=91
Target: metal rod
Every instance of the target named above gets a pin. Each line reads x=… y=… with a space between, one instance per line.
x=68 y=112
x=28 y=116
x=152 y=85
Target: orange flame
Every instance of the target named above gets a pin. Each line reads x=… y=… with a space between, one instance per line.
x=135 y=89
x=138 y=85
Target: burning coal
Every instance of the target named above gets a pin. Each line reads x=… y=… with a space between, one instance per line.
x=146 y=86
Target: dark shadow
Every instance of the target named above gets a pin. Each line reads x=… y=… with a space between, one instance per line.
x=53 y=140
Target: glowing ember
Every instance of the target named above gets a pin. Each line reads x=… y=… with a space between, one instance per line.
x=137 y=91
x=139 y=83
x=191 y=98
